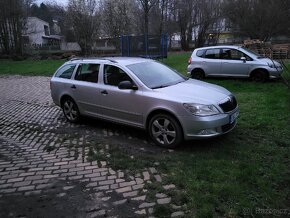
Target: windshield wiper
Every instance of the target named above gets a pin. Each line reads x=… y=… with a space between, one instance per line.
x=159 y=87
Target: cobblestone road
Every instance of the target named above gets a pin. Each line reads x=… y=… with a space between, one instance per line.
x=44 y=171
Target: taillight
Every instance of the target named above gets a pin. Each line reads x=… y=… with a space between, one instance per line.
x=189 y=60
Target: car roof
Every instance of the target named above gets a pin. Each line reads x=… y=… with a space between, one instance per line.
x=221 y=46
x=123 y=61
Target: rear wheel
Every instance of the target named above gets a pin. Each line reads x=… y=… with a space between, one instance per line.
x=197 y=74
x=70 y=110
x=259 y=76
x=165 y=131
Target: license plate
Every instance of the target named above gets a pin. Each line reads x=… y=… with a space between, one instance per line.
x=234 y=116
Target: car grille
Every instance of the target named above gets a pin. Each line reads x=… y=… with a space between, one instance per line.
x=227 y=127
x=229 y=105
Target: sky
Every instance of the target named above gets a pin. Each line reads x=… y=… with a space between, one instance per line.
x=60 y=2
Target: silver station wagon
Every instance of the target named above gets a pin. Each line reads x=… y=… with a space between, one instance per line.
x=232 y=61
x=146 y=94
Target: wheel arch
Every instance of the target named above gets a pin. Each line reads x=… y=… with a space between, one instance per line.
x=162 y=111
x=197 y=69
x=63 y=97
x=257 y=70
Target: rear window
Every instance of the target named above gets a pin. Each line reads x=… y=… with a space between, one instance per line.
x=200 y=53
x=66 y=71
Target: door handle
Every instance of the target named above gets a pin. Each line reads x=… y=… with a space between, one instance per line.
x=73 y=87
x=104 y=92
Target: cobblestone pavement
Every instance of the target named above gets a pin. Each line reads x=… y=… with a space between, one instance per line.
x=44 y=171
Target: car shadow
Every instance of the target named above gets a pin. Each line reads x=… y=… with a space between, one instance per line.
x=131 y=138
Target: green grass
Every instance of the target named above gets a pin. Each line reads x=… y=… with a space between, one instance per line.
x=245 y=170
x=178 y=61
x=29 y=67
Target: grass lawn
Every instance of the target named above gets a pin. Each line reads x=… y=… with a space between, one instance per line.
x=234 y=175
x=29 y=67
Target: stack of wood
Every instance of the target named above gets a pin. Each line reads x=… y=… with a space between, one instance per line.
x=280 y=51
x=276 y=51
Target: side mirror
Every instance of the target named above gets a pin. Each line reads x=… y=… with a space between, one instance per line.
x=127 y=85
x=243 y=59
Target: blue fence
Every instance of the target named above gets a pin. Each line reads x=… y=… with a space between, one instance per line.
x=147 y=46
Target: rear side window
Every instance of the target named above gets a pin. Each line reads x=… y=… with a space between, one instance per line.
x=233 y=54
x=66 y=71
x=212 y=53
x=88 y=72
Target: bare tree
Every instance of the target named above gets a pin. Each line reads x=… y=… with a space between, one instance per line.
x=159 y=17
x=207 y=13
x=12 y=18
x=259 y=19
x=147 y=6
x=82 y=14
x=118 y=17
x=185 y=19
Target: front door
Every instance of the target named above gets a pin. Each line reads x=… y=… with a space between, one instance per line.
x=232 y=64
x=124 y=106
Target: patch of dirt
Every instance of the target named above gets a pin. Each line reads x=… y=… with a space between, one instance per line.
x=75 y=202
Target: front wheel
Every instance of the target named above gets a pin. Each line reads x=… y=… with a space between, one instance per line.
x=165 y=131
x=70 y=110
x=259 y=76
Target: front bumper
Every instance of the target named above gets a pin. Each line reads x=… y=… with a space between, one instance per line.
x=210 y=126
x=275 y=73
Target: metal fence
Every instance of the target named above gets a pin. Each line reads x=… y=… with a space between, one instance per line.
x=149 y=46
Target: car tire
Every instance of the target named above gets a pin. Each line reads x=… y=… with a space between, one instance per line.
x=70 y=110
x=165 y=131
x=259 y=76
x=197 y=74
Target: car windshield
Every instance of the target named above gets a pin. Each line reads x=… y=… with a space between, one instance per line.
x=155 y=75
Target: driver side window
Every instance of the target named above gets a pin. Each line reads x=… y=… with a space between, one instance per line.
x=114 y=75
x=233 y=54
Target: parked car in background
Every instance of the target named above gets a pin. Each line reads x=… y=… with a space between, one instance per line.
x=232 y=61
x=146 y=94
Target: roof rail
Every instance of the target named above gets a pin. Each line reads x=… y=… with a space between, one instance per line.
x=74 y=59
x=97 y=58
x=108 y=59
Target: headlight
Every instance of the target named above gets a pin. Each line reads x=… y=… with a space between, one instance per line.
x=274 y=65
x=201 y=109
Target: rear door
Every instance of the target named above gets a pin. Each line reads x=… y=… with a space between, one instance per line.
x=85 y=88
x=211 y=62
x=61 y=82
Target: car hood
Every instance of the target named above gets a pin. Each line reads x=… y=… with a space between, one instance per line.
x=195 y=91
x=270 y=61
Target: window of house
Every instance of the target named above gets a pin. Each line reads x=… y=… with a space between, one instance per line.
x=88 y=72
x=46 y=30
x=66 y=71
x=114 y=75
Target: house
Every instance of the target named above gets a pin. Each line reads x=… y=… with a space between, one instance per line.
x=224 y=32
x=37 y=32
